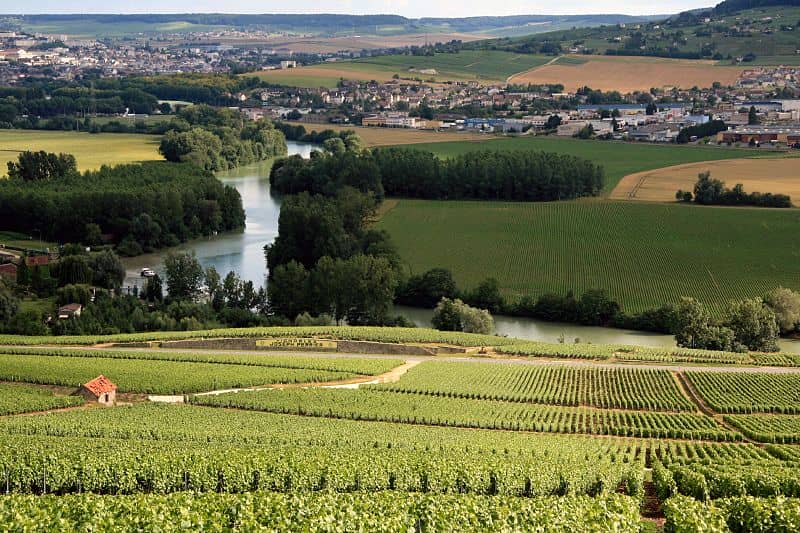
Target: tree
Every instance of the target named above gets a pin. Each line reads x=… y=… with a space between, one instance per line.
x=367 y=286
x=752 y=116
x=753 y=324
x=288 y=289
x=428 y=289
x=785 y=303
x=33 y=166
x=455 y=315
x=553 y=122
x=184 y=275
x=595 y=308
x=153 y=289
x=214 y=288
x=108 y=271
x=197 y=146
x=694 y=328
x=74 y=270
x=487 y=296
x=94 y=235
x=9 y=305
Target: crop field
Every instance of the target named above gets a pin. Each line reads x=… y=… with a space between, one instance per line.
x=152 y=376
x=777 y=176
x=452 y=445
x=16 y=399
x=628 y=74
x=471 y=413
x=463 y=66
x=768 y=428
x=743 y=393
x=614 y=389
x=619 y=159
x=644 y=255
x=90 y=150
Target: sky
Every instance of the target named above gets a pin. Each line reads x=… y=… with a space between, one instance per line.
x=408 y=8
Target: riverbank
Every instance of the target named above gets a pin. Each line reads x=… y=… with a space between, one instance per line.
x=541 y=331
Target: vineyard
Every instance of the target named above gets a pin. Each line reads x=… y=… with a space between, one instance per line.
x=317 y=512
x=355 y=333
x=748 y=393
x=450 y=444
x=152 y=376
x=25 y=399
x=469 y=413
x=609 y=388
x=643 y=255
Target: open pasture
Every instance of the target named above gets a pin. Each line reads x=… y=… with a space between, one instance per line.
x=628 y=74
x=644 y=255
x=90 y=150
x=777 y=176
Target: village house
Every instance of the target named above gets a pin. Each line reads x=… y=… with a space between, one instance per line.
x=65 y=312
x=100 y=390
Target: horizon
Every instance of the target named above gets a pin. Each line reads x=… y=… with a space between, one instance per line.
x=407 y=8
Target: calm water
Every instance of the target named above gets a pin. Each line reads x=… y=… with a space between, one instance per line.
x=241 y=252
x=537 y=330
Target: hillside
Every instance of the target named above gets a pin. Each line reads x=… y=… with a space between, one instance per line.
x=760 y=35
x=299 y=24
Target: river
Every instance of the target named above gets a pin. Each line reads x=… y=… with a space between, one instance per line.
x=538 y=330
x=243 y=253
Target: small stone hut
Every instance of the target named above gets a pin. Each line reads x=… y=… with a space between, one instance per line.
x=100 y=390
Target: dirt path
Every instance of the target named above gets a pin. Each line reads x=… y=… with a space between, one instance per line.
x=391 y=376
x=508 y=79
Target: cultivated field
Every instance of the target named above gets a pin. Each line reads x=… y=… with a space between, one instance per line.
x=91 y=151
x=421 y=451
x=464 y=66
x=756 y=175
x=619 y=159
x=350 y=43
x=644 y=255
x=628 y=74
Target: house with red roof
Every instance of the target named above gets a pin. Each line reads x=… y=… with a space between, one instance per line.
x=100 y=390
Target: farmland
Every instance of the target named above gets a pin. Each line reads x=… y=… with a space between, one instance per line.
x=463 y=66
x=644 y=255
x=619 y=159
x=90 y=150
x=575 y=444
x=777 y=176
x=628 y=74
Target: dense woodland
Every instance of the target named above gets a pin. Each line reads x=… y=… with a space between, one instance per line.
x=410 y=173
x=139 y=207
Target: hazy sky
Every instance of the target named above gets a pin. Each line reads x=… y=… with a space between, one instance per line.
x=409 y=8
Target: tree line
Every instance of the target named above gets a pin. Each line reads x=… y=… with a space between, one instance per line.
x=411 y=173
x=708 y=191
x=138 y=207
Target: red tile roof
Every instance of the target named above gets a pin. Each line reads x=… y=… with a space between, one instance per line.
x=100 y=385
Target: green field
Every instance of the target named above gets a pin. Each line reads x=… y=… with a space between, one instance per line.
x=463 y=66
x=643 y=255
x=619 y=159
x=91 y=150
x=453 y=445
